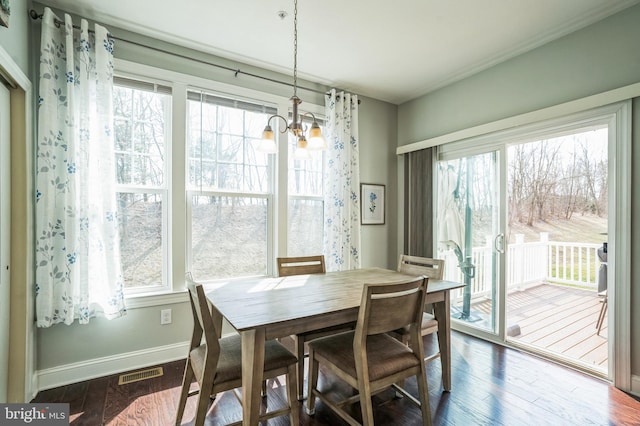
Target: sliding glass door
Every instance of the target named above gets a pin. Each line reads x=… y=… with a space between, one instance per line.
x=525 y=219
x=556 y=286
x=469 y=236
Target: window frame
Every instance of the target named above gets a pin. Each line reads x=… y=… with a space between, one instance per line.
x=179 y=195
x=163 y=190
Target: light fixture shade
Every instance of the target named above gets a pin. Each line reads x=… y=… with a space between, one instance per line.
x=302 y=150
x=316 y=140
x=268 y=142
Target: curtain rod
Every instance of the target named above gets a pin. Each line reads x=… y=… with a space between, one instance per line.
x=38 y=16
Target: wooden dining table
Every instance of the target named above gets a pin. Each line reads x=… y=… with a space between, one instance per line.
x=267 y=308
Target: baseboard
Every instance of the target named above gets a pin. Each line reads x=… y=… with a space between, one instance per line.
x=106 y=366
x=635 y=385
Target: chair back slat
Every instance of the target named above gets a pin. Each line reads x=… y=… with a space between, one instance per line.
x=301 y=265
x=415 y=265
x=202 y=318
x=388 y=307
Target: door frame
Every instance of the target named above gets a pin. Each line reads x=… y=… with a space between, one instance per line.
x=5 y=240
x=618 y=118
x=22 y=340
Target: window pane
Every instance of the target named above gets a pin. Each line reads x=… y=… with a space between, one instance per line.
x=122 y=101
x=123 y=168
x=123 y=134
x=231 y=149
x=305 y=227
x=228 y=236
x=222 y=138
x=306 y=205
x=254 y=123
x=231 y=120
x=141 y=119
x=140 y=219
x=306 y=176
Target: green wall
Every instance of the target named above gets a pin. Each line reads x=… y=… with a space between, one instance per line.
x=140 y=330
x=15 y=38
x=598 y=58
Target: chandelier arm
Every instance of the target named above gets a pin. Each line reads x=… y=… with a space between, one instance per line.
x=308 y=113
x=286 y=125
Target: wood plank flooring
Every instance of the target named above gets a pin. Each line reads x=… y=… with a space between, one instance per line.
x=560 y=320
x=492 y=385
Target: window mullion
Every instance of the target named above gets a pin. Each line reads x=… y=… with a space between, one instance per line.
x=179 y=231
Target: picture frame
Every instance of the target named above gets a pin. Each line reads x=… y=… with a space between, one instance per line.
x=5 y=10
x=372 y=204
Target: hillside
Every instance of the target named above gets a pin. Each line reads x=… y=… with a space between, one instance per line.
x=580 y=228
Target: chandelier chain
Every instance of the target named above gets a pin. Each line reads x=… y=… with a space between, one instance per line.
x=295 y=47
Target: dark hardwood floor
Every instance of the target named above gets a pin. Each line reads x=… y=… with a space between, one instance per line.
x=492 y=385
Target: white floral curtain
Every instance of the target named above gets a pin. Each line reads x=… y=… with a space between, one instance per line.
x=342 y=184
x=78 y=271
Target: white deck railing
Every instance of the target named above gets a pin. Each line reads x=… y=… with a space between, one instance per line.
x=530 y=263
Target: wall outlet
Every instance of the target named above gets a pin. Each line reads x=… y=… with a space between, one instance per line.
x=165 y=316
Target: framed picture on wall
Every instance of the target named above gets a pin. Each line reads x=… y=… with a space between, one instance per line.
x=5 y=10
x=372 y=204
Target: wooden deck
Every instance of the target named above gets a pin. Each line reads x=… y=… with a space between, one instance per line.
x=559 y=320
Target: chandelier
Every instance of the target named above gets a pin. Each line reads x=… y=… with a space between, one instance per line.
x=303 y=145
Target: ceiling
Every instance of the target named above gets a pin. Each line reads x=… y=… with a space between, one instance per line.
x=389 y=50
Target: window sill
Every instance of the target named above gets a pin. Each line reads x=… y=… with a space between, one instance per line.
x=136 y=301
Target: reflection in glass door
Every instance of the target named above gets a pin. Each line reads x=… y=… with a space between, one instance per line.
x=468 y=235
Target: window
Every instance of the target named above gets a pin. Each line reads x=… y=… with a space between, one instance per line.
x=230 y=187
x=193 y=193
x=142 y=114
x=306 y=201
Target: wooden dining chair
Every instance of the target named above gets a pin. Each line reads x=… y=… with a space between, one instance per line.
x=368 y=358
x=302 y=265
x=216 y=363
x=430 y=268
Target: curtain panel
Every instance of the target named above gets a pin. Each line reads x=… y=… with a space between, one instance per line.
x=78 y=271
x=342 y=183
x=418 y=211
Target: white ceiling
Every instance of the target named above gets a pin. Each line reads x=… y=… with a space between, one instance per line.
x=389 y=50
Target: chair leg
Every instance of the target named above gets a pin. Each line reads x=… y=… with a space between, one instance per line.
x=365 y=401
x=312 y=383
x=184 y=392
x=204 y=398
x=602 y=315
x=294 y=404
x=423 y=393
x=203 y=407
x=299 y=342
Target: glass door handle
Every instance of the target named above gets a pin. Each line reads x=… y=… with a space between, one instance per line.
x=498 y=243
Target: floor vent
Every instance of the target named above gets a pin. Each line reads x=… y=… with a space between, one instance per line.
x=140 y=375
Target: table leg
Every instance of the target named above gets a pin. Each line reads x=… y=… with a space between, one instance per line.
x=252 y=371
x=442 y=312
